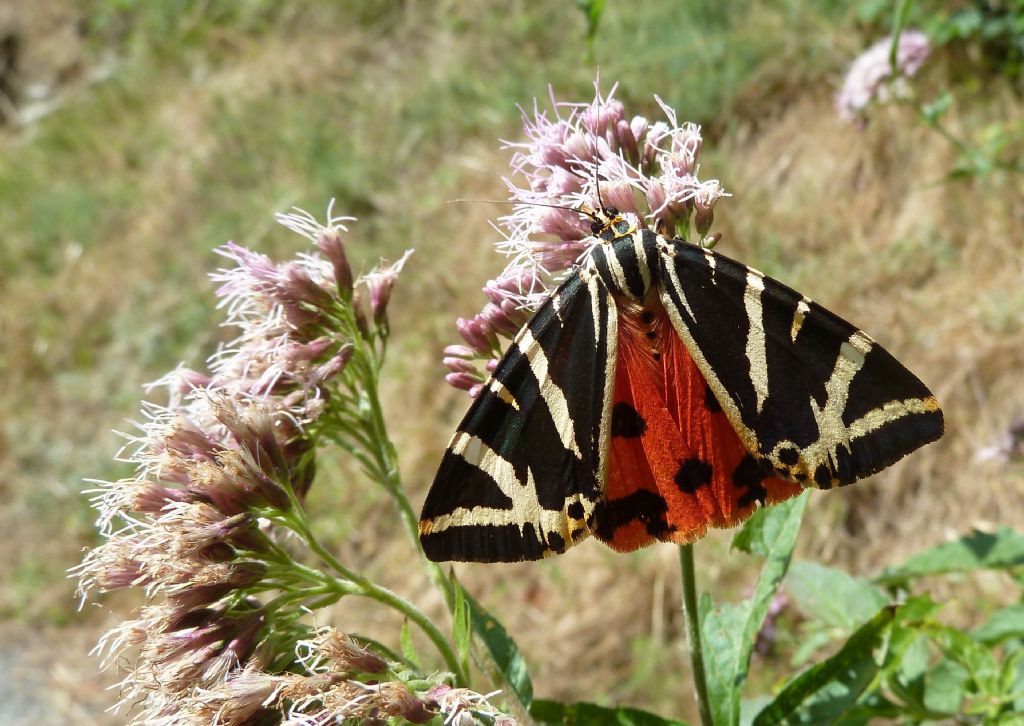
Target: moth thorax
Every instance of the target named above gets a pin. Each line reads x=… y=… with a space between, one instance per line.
x=628 y=265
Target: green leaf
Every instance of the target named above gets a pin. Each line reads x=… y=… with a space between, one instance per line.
x=587 y=714
x=1012 y=679
x=979 y=660
x=944 y=687
x=592 y=10
x=503 y=650
x=825 y=691
x=976 y=551
x=935 y=110
x=461 y=628
x=832 y=596
x=1005 y=623
x=912 y=666
x=408 y=649
x=908 y=653
x=729 y=631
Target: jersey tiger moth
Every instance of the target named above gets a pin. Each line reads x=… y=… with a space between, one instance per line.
x=662 y=389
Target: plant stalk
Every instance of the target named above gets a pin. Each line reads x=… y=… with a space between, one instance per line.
x=700 y=683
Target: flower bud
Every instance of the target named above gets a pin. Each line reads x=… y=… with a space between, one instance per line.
x=627 y=141
x=460 y=351
x=329 y=242
x=463 y=381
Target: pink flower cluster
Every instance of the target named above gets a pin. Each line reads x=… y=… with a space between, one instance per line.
x=231 y=455
x=872 y=77
x=581 y=156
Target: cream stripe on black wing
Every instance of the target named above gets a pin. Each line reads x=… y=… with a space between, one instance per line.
x=524 y=468
x=808 y=393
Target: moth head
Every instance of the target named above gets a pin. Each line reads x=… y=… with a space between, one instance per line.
x=608 y=223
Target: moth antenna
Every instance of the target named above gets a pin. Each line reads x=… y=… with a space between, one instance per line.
x=578 y=210
x=478 y=201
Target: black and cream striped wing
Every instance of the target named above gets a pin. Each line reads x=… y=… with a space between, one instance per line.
x=809 y=394
x=523 y=470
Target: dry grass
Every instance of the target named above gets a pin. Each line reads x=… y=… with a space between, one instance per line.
x=384 y=115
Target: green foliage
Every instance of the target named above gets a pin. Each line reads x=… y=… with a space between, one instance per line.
x=730 y=630
x=837 y=599
x=592 y=10
x=589 y=714
x=902 y=662
x=1001 y=550
x=993 y=27
x=824 y=692
x=503 y=652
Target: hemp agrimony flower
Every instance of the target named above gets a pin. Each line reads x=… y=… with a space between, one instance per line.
x=580 y=156
x=871 y=76
x=208 y=527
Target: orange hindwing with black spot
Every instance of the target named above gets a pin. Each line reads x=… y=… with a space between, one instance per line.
x=660 y=390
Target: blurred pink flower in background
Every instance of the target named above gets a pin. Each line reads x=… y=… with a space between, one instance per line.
x=872 y=77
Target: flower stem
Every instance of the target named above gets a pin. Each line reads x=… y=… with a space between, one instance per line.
x=700 y=683
x=387 y=464
x=370 y=589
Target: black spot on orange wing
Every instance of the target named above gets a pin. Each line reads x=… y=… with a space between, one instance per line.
x=642 y=507
x=748 y=477
x=575 y=511
x=755 y=494
x=750 y=472
x=693 y=474
x=627 y=421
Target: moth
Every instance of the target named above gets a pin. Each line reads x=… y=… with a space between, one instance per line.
x=660 y=390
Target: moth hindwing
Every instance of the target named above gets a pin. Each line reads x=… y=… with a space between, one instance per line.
x=660 y=390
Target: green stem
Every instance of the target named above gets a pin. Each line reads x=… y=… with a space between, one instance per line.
x=387 y=462
x=977 y=157
x=368 y=588
x=700 y=683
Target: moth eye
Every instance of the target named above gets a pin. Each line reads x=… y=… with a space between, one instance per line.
x=596 y=227
x=612 y=212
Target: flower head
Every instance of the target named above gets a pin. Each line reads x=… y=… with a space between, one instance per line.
x=576 y=156
x=220 y=470
x=872 y=76
x=379 y=283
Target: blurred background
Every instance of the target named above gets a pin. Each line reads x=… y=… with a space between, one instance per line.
x=135 y=137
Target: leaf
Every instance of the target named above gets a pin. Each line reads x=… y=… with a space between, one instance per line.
x=592 y=9
x=408 y=649
x=826 y=690
x=730 y=630
x=944 y=687
x=461 y=628
x=979 y=660
x=934 y=110
x=911 y=667
x=503 y=650
x=908 y=652
x=831 y=595
x=584 y=714
x=1005 y=623
x=976 y=551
